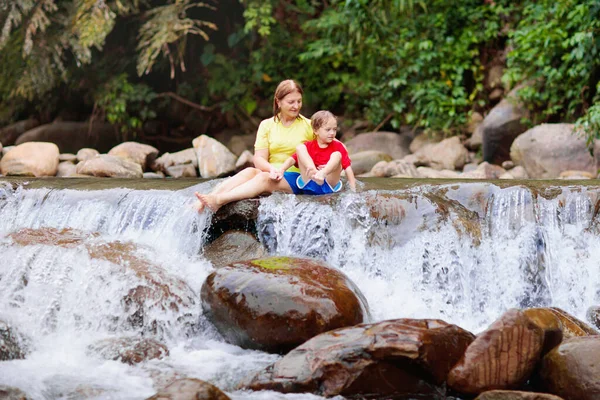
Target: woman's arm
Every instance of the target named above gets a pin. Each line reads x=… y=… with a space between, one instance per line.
x=351 y=178
x=261 y=160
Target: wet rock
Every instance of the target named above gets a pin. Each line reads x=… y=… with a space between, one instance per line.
x=593 y=315
x=571 y=326
x=11 y=343
x=234 y=246
x=129 y=350
x=86 y=154
x=392 y=143
x=277 y=303
x=214 y=159
x=571 y=370
x=104 y=165
x=401 y=358
x=190 y=389
x=549 y=322
x=12 y=393
x=239 y=215
x=395 y=168
x=576 y=175
x=31 y=159
x=139 y=153
x=515 y=395
x=501 y=357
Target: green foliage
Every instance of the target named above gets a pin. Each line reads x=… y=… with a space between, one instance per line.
x=125 y=104
x=168 y=25
x=556 y=51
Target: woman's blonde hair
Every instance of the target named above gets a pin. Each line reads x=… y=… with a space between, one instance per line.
x=283 y=89
x=319 y=119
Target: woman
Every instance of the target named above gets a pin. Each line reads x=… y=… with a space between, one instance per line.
x=276 y=140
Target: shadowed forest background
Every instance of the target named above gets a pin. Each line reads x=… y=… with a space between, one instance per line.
x=164 y=72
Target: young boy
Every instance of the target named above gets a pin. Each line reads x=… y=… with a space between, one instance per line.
x=321 y=160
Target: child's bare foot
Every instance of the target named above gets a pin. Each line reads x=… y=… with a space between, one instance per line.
x=319 y=177
x=209 y=200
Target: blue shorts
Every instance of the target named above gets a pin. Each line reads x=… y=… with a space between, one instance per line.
x=294 y=179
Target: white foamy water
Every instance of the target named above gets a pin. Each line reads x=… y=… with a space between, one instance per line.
x=428 y=253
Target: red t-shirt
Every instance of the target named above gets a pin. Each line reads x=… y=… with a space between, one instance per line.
x=321 y=156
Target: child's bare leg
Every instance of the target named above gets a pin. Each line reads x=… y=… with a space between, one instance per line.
x=332 y=170
x=261 y=183
x=305 y=163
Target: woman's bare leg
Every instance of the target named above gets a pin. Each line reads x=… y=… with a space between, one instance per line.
x=260 y=184
x=332 y=170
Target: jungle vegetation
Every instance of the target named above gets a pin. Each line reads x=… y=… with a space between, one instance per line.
x=422 y=63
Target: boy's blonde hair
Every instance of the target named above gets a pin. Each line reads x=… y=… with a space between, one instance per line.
x=319 y=119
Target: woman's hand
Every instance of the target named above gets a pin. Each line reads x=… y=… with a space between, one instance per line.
x=276 y=173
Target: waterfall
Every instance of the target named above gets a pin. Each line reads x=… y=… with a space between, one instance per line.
x=73 y=261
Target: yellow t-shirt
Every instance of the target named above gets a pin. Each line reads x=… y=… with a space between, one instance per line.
x=281 y=141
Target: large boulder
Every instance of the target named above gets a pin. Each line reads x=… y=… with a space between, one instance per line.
x=139 y=153
x=187 y=156
x=72 y=136
x=104 y=165
x=501 y=357
x=401 y=358
x=448 y=154
x=548 y=149
x=214 y=159
x=364 y=161
x=515 y=395
x=190 y=389
x=394 y=144
x=277 y=303
x=571 y=370
x=31 y=159
x=501 y=127
x=10 y=133
x=555 y=317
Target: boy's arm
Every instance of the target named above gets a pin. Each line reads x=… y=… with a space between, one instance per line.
x=351 y=178
x=288 y=163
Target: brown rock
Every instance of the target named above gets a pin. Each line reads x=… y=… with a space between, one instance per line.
x=141 y=154
x=571 y=326
x=485 y=170
x=182 y=171
x=392 y=143
x=214 y=159
x=10 y=133
x=423 y=139
x=571 y=370
x=245 y=160
x=277 y=303
x=515 y=395
x=234 y=246
x=67 y=157
x=364 y=161
x=110 y=166
x=31 y=159
x=12 y=393
x=501 y=357
x=129 y=350
x=593 y=315
x=392 y=359
x=190 y=389
x=187 y=156
x=66 y=169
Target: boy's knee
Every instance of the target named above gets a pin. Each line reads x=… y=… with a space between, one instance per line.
x=336 y=155
x=300 y=147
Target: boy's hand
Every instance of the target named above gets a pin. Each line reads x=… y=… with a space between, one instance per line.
x=319 y=177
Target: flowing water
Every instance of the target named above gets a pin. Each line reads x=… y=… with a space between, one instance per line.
x=464 y=253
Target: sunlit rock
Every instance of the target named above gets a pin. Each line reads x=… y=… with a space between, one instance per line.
x=86 y=154
x=484 y=170
x=182 y=171
x=214 y=159
x=571 y=370
x=277 y=303
x=12 y=344
x=402 y=358
x=245 y=160
x=552 y=318
x=104 y=165
x=427 y=172
x=515 y=395
x=425 y=138
x=448 y=154
x=31 y=159
x=190 y=389
x=187 y=156
x=67 y=157
x=129 y=350
x=364 y=161
x=142 y=154
x=234 y=246
x=501 y=357
x=66 y=169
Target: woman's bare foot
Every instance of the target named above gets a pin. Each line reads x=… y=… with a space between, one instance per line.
x=208 y=200
x=200 y=204
x=319 y=178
